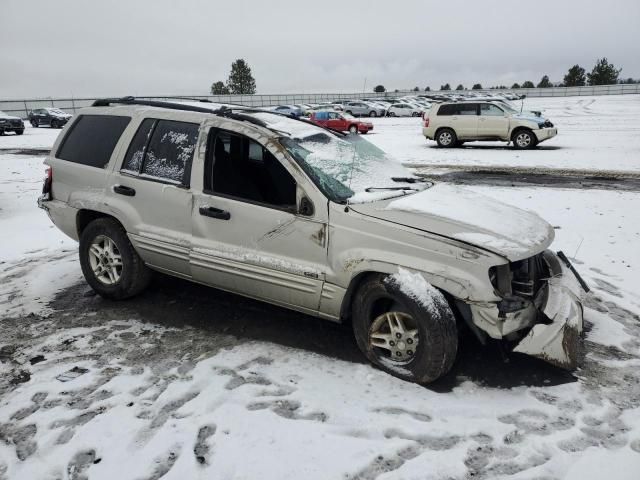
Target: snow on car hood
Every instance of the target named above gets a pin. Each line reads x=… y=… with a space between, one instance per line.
x=467 y=216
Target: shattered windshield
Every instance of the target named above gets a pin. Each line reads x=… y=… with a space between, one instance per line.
x=345 y=168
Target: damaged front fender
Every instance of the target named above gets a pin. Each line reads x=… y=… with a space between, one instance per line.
x=559 y=341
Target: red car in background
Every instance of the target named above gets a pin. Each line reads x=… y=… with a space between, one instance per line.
x=340 y=122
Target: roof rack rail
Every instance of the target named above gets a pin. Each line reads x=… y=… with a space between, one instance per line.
x=223 y=111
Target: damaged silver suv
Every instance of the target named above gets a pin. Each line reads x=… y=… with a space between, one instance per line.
x=287 y=212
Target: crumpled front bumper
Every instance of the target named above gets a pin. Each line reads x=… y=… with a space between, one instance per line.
x=557 y=342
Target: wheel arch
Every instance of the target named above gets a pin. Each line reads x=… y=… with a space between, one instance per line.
x=85 y=216
x=439 y=129
x=520 y=128
x=361 y=277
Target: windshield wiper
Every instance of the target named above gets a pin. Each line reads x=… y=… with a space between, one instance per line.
x=380 y=189
x=408 y=180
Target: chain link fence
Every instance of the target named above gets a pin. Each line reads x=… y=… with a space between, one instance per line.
x=22 y=107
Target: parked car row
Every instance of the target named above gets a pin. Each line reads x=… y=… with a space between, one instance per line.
x=413 y=106
x=51 y=117
x=11 y=124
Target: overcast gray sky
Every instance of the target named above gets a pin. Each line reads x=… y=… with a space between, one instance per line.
x=113 y=47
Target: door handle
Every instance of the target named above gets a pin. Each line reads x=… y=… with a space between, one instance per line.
x=122 y=190
x=215 y=213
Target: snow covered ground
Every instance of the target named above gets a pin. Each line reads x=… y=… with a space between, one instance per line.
x=185 y=383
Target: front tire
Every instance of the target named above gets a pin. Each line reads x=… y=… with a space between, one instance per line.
x=19 y=132
x=353 y=129
x=446 y=138
x=401 y=335
x=54 y=124
x=524 y=139
x=109 y=262
x=34 y=123
x=373 y=114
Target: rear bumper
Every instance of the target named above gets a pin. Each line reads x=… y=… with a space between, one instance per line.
x=427 y=132
x=62 y=215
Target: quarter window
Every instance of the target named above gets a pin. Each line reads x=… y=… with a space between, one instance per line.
x=91 y=139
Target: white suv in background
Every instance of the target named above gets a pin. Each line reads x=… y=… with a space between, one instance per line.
x=452 y=123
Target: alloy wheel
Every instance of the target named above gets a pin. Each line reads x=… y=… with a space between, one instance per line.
x=523 y=140
x=446 y=138
x=394 y=335
x=105 y=260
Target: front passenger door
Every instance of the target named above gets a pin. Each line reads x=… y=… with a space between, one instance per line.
x=492 y=122
x=249 y=235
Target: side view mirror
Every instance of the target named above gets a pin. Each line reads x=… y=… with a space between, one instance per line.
x=306 y=207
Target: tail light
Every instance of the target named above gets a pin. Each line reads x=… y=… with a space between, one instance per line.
x=426 y=120
x=46 y=184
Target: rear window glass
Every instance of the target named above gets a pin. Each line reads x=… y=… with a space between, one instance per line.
x=170 y=151
x=446 y=110
x=92 y=139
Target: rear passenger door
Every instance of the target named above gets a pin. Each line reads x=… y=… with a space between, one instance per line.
x=249 y=235
x=465 y=120
x=150 y=192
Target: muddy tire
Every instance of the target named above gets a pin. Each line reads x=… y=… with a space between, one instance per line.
x=400 y=335
x=524 y=139
x=446 y=138
x=109 y=262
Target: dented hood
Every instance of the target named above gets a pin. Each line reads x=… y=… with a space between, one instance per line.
x=469 y=217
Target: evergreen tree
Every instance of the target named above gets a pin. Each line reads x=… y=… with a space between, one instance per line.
x=544 y=82
x=219 y=88
x=476 y=86
x=379 y=89
x=603 y=73
x=515 y=85
x=416 y=89
x=575 y=77
x=446 y=86
x=460 y=87
x=240 y=79
x=528 y=84
x=427 y=89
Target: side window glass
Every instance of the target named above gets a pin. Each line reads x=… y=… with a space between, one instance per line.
x=170 y=151
x=133 y=159
x=467 y=108
x=241 y=168
x=487 y=109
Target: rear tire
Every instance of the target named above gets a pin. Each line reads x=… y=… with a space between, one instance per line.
x=109 y=262
x=373 y=114
x=524 y=139
x=34 y=124
x=402 y=336
x=19 y=132
x=391 y=114
x=353 y=129
x=446 y=138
